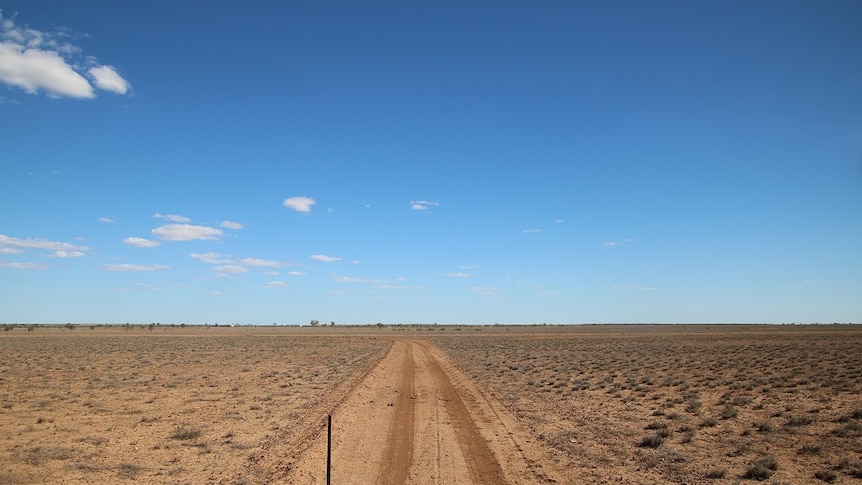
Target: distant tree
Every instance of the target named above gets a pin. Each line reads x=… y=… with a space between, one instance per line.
x=379 y=325
x=331 y=324
x=314 y=323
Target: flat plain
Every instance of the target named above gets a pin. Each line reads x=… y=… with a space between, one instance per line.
x=432 y=404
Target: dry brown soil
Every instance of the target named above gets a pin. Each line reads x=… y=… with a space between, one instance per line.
x=413 y=404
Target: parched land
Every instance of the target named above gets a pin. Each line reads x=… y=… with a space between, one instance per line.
x=691 y=404
x=432 y=404
x=164 y=405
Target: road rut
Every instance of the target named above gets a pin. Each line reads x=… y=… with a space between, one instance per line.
x=416 y=419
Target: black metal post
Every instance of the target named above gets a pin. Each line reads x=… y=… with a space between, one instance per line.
x=328 y=448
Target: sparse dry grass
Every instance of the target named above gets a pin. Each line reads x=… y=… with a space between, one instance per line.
x=733 y=392
x=612 y=404
x=160 y=406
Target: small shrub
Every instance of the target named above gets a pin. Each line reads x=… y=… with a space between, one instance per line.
x=796 y=421
x=716 y=473
x=729 y=411
x=809 y=450
x=651 y=441
x=183 y=433
x=826 y=475
x=761 y=468
x=708 y=422
x=764 y=426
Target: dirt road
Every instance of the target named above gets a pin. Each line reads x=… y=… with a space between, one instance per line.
x=416 y=419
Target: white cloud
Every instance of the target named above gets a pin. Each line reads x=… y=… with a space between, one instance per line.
x=460 y=274
x=171 y=217
x=106 y=220
x=231 y=269
x=614 y=244
x=38 y=61
x=11 y=251
x=299 y=204
x=487 y=291
x=421 y=205
x=39 y=244
x=262 y=262
x=230 y=266
x=296 y=273
x=634 y=287
x=275 y=284
x=231 y=225
x=107 y=78
x=324 y=258
x=354 y=279
x=212 y=258
x=531 y=230
x=4 y=264
x=558 y=221
x=35 y=69
x=67 y=254
x=140 y=242
x=186 y=232
x=134 y=267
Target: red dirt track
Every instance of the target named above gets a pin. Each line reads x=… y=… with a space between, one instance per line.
x=431 y=426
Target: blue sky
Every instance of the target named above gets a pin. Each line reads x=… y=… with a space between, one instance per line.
x=511 y=162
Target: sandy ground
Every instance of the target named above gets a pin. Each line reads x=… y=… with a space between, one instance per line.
x=416 y=419
x=432 y=405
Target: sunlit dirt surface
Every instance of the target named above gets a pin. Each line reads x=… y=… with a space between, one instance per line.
x=574 y=404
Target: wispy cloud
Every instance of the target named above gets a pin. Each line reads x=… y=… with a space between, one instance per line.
x=36 y=61
x=299 y=203
x=67 y=254
x=8 y=241
x=140 y=242
x=616 y=244
x=460 y=274
x=186 y=232
x=107 y=78
x=134 y=267
x=262 y=262
x=11 y=251
x=486 y=290
x=324 y=258
x=354 y=279
x=4 y=264
x=171 y=217
x=106 y=220
x=296 y=273
x=211 y=258
x=634 y=287
x=231 y=269
x=231 y=225
x=531 y=230
x=275 y=284
x=228 y=266
x=422 y=205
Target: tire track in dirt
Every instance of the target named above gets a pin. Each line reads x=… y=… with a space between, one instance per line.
x=399 y=450
x=416 y=419
x=481 y=462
